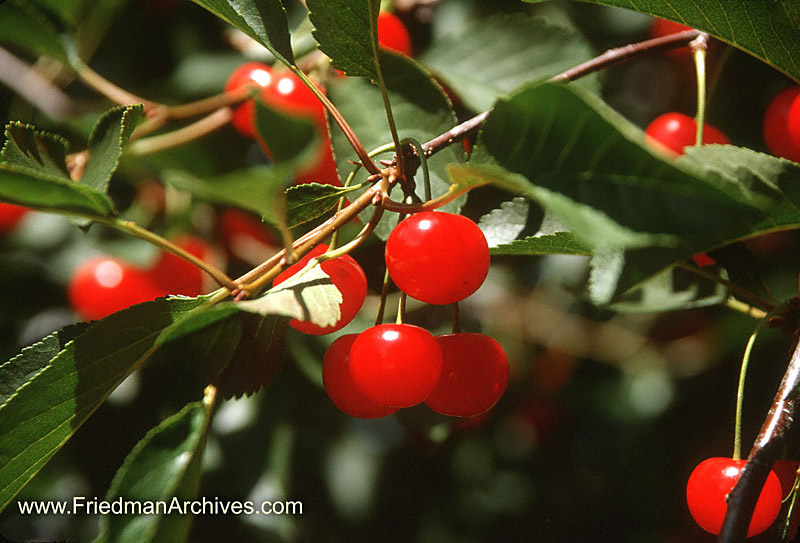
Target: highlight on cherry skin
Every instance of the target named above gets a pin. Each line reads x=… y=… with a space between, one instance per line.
x=437 y=257
x=339 y=384
x=396 y=365
x=474 y=375
x=253 y=74
x=104 y=285
x=711 y=482
x=346 y=275
x=675 y=131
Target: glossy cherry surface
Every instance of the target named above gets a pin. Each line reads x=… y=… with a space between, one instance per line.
x=396 y=365
x=393 y=34
x=775 y=125
x=711 y=482
x=437 y=257
x=346 y=275
x=340 y=386
x=474 y=375
x=256 y=75
x=103 y=285
x=676 y=131
x=794 y=123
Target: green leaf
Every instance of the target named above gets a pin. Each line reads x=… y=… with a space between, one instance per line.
x=165 y=466
x=505 y=223
x=421 y=111
x=258 y=189
x=492 y=57
x=50 y=193
x=563 y=243
x=567 y=150
x=23 y=25
x=35 y=150
x=347 y=31
x=766 y=29
x=44 y=411
x=289 y=138
x=309 y=295
x=263 y=20
x=671 y=290
x=106 y=143
x=309 y=201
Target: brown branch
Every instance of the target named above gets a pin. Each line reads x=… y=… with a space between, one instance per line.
x=605 y=60
x=766 y=449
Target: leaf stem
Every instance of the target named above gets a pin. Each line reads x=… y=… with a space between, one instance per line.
x=183 y=135
x=731 y=286
x=135 y=230
x=110 y=90
x=336 y=115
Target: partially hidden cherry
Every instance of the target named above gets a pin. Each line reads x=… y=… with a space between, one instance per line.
x=339 y=384
x=254 y=76
x=777 y=120
x=711 y=482
x=346 y=275
x=393 y=34
x=437 y=257
x=10 y=216
x=676 y=131
x=178 y=276
x=245 y=236
x=396 y=365
x=104 y=285
x=474 y=375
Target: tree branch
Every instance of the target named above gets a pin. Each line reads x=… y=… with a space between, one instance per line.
x=766 y=449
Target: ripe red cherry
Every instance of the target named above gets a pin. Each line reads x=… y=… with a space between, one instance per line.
x=437 y=257
x=289 y=94
x=346 y=275
x=245 y=236
x=676 y=131
x=708 y=488
x=396 y=365
x=256 y=75
x=340 y=386
x=474 y=375
x=393 y=34
x=177 y=276
x=323 y=168
x=781 y=125
x=103 y=285
x=10 y=216
x=786 y=470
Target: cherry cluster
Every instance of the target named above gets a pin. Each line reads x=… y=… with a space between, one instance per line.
x=435 y=257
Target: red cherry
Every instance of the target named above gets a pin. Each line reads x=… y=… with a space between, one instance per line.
x=340 y=386
x=245 y=236
x=437 y=257
x=703 y=260
x=10 y=216
x=709 y=486
x=474 y=375
x=775 y=126
x=676 y=131
x=177 y=276
x=396 y=365
x=794 y=123
x=289 y=94
x=103 y=285
x=346 y=275
x=323 y=168
x=393 y=34
x=256 y=75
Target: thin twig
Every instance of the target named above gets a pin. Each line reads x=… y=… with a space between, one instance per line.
x=188 y=133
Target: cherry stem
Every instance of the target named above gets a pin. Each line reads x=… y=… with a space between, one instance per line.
x=336 y=115
x=767 y=448
x=731 y=286
x=384 y=294
x=188 y=133
x=135 y=230
x=699 y=49
x=737 y=432
x=456 y=318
